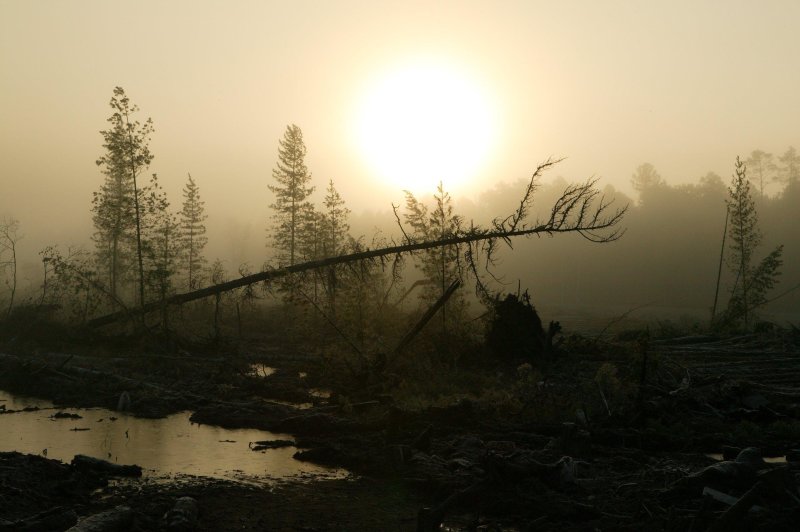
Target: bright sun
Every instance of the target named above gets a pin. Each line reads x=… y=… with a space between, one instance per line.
x=425 y=123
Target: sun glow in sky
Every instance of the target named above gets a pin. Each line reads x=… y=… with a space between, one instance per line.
x=389 y=96
x=425 y=122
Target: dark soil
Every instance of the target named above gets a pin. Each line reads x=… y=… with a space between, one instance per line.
x=632 y=459
x=31 y=484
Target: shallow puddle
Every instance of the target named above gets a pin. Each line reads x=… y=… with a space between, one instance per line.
x=168 y=446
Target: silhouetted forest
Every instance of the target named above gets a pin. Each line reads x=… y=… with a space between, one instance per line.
x=668 y=257
x=666 y=262
x=662 y=251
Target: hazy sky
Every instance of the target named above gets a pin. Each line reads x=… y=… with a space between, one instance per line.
x=684 y=85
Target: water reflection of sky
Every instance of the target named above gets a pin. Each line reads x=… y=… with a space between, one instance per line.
x=171 y=445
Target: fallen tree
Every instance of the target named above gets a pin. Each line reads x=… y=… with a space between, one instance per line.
x=580 y=209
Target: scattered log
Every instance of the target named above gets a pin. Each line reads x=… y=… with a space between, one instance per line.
x=326 y=454
x=66 y=415
x=270 y=444
x=738 y=473
x=353 y=406
x=724 y=498
x=95 y=464
x=558 y=474
x=500 y=471
x=58 y=518
x=736 y=513
x=114 y=520
x=182 y=516
x=430 y=519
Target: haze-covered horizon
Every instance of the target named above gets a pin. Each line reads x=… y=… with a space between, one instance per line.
x=686 y=86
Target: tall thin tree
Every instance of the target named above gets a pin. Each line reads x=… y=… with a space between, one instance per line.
x=161 y=244
x=127 y=156
x=9 y=236
x=744 y=233
x=334 y=229
x=751 y=282
x=335 y=226
x=292 y=209
x=193 y=233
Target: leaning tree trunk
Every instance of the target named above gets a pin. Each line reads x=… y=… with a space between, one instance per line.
x=580 y=209
x=277 y=273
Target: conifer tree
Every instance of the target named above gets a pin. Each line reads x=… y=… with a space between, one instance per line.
x=441 y=266
x=751 y=282
x=293 y=212
x=360 y=295
x=334 y=235
x=334 y=224
x=192 y=234
x=112 y=215
x=161 y=243
x=308 y=237
x=117 y=207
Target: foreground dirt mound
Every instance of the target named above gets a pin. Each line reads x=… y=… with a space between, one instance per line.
x=42 y=494
x=46 y=495
x=624 y=446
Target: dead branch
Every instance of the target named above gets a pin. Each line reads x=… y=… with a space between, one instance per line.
x=418 y=282
x=426 y=317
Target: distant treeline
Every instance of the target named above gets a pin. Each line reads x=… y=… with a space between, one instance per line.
x=669 y=255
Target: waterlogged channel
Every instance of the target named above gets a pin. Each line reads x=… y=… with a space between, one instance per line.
x=163 y=447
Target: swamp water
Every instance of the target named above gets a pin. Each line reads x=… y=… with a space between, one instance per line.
x=162 y=447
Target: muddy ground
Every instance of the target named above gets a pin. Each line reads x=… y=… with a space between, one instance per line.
x=618 y=454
